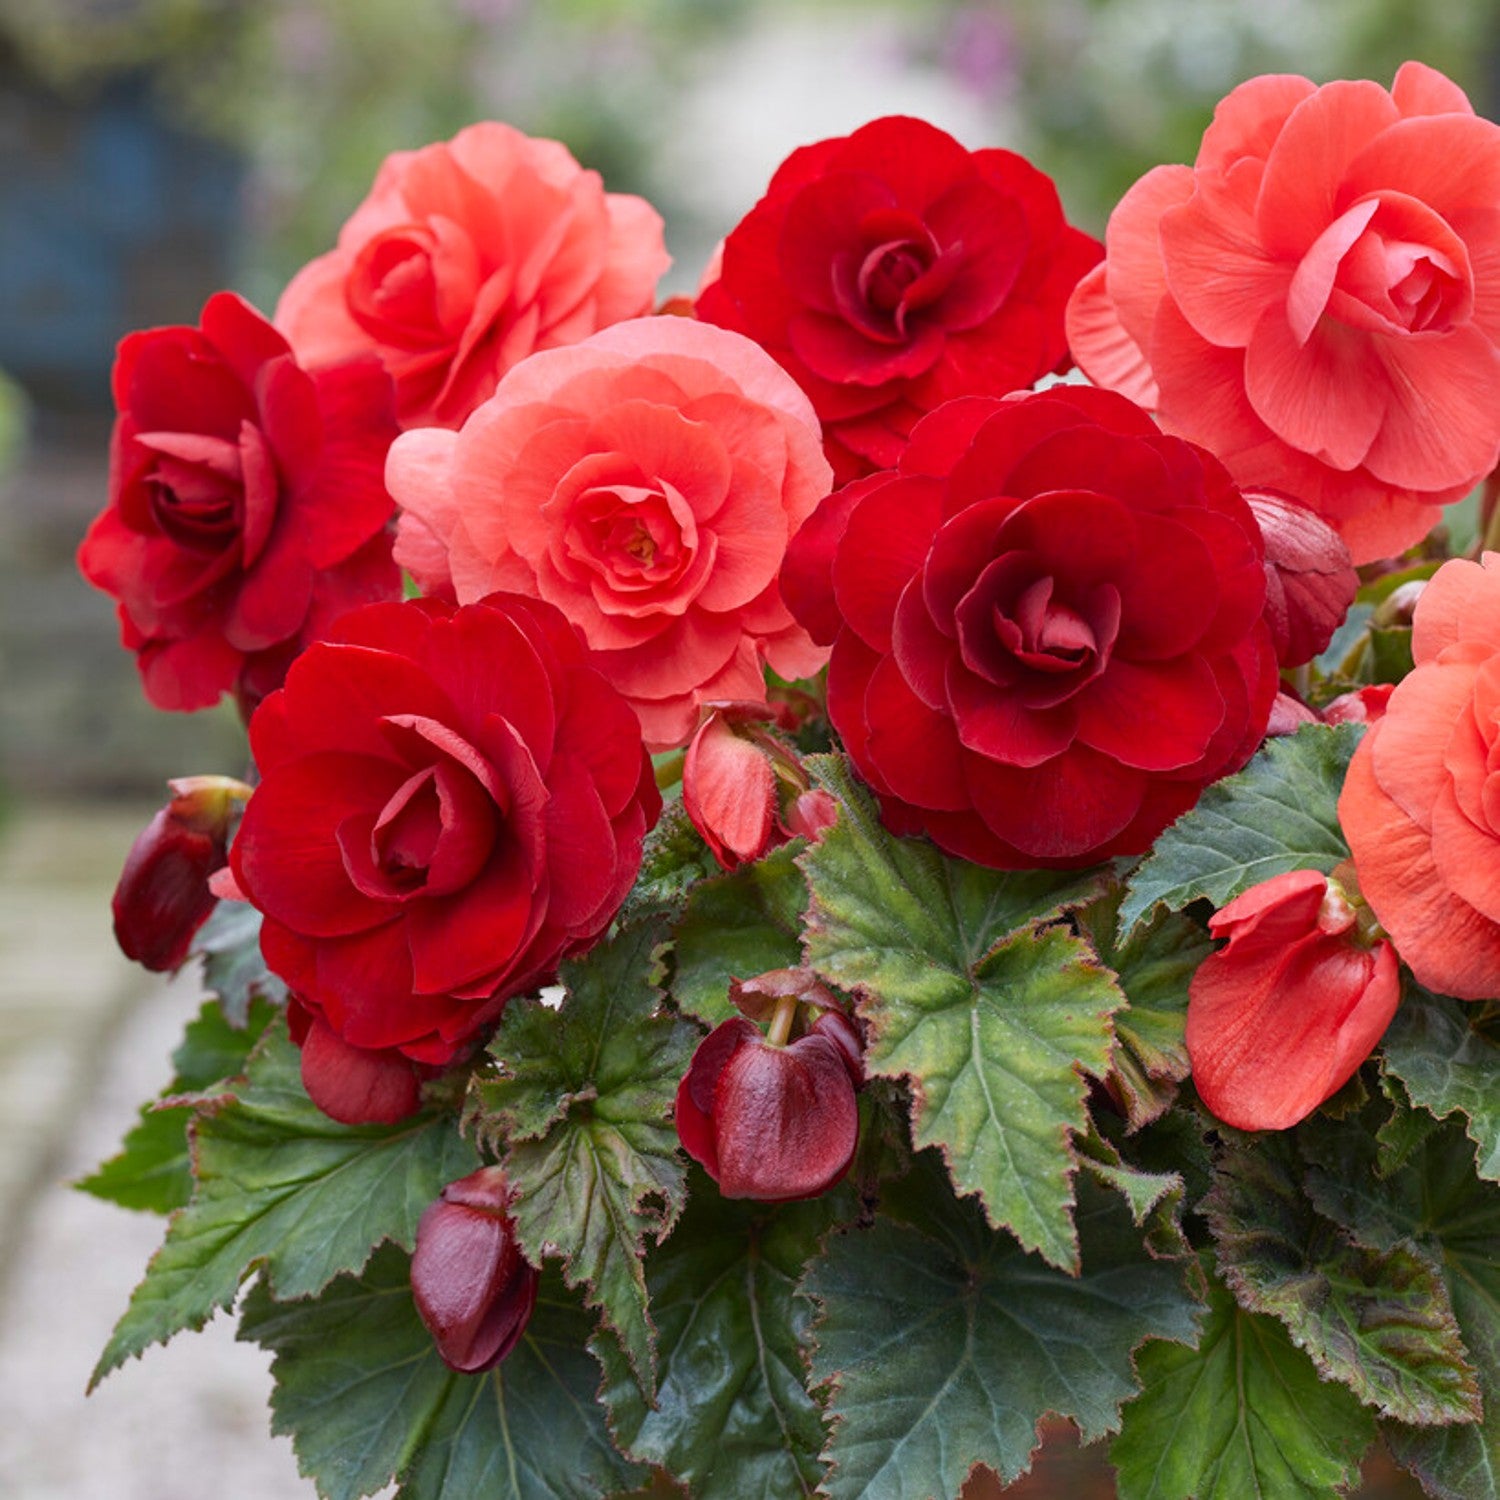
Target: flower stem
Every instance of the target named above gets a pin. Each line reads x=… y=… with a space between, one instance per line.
x=781 y=1021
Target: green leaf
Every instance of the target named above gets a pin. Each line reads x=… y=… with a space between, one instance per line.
x=733 y=1417
x=1280 y=813
x=944 y=1344
x=1154 y=1198
x=1448 y=1066
x=1155 y=966
x=675 y=858
x=1245 y=1413
x=283 y=1188
x=233 y=969
x=993 y=1018
x=153 y=1169
x=365 y=1398
x=585 y=1104
x=1434 y=1198
x=1377 y=1319
x=736 y=927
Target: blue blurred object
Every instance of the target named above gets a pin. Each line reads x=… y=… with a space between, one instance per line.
x=110 y=219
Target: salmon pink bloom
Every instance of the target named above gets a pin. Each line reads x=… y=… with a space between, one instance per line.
x=465 y=257
x=1281 y=1016
x=1421 y=802
x=645 y=482
x=1317 y=298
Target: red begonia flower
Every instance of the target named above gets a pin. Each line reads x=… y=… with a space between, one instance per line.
x=1046 y=626
x=247 y=503
x=892 y=270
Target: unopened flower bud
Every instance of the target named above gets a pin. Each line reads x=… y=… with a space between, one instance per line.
x=1363 y=706
x=811 y=814
x=1310 y=579
x=163 y=898
x=773 y=1116
x=1288 y=714
x=1281 y=1016
x=1399 y=607
x=729 y=791
x=473 y=1288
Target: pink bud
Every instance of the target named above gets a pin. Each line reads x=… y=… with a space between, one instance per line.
x=1288 y=714
x=729 y=791
x=473 y=1288
x=1310 y=578
x=771 y=1121
x=811 y=815
x=1281 y=1016
x=162 y=897
x=1363 y=706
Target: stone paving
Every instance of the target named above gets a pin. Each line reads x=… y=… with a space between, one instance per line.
x=84 y=1038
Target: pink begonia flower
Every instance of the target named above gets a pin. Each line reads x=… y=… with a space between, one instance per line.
x=1317 y=299
x=467 y=256
x=1420 y=807
x=1280 y=1017
x=645 y=481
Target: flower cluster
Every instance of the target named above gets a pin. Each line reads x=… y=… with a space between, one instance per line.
x=873 y=727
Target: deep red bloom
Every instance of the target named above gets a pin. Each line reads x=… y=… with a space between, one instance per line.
x=1310 y=582
x=1279 y=1018
x=452 y=801
x=1046 y=626
x=892 y=270
x=163 y=898
x=473 y=1289
x=770 y=1118
x=247 y=503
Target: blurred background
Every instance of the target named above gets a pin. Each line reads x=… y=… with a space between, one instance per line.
x=153 y=151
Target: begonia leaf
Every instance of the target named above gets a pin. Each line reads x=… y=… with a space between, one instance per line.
x=992 y=1015
x=738 y=926
x=365 y=1398
x=153 y=1169
x=584 y=1106
x=1245 y=1413
x=943 y=1343
x=674 y=859
x=1280 y=813
x=1434 y=1199
x=733 y=1416
x=1376 y=1318
x=1154 y=966
x=233 y=968
x=1447 y=1065
x=282 y=1188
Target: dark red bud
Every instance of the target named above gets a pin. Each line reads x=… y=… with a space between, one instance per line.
x=774 y=1122
x=473 y=1288
x=163 y=898
x=1310 y=578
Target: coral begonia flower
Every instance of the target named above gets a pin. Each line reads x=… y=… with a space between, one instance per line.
x=1279 y=1018
x=1317 y=298
x=1421 y=802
